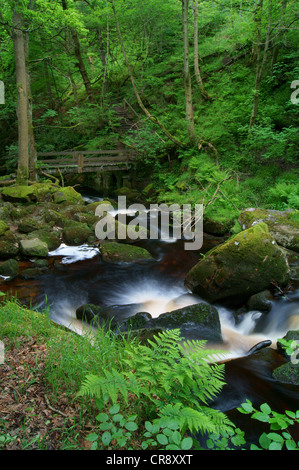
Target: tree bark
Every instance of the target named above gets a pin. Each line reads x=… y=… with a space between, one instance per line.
x=187 y=76
x=22 y=98
x=32 y=155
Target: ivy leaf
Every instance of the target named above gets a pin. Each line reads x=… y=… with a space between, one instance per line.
x=187 y=443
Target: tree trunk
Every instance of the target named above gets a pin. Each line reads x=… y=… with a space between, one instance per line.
x=187 y=76
x=22 y=98
x=203 y=92
x=81 y=66
x=32 y=156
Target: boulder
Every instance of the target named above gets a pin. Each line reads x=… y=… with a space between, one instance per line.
x=3 y=227
x=67 y=195
x=76 y=234
x=260 y=301
x=9 y=268
x=287 y=373
x=283 y=225
x=244 y=265
x=28 y=225
x=9 y=246
x=34 y=248
x=96 y=316
x=199 y=321
x=114 y=252
x=51 y=238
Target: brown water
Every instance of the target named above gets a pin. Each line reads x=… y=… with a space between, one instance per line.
x=158 y=287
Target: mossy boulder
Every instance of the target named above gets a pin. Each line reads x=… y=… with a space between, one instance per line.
x=67 y=195
x=244 y=265
x=96 y=316
x=33 y=248
x=115 y=252
x=9 y=246
x=38 y=192
x=199 y=321
x=9 y=268
x=132 y=195
x=287 y=373
x=28 y=225
x=260 y=301
x=283 y=225
x=51 y=238
x=4 y=227
x=76 y=234
x=32 y=273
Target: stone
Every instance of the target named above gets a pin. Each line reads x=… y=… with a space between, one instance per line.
x=76 y=234
x=260 y=301
x=114 y=252
x=199 y=321
x=50 y=237
x=9 y=268
x=244 y=265
x=9 y=246
x=28 y=225
x=96 y=316
x=67 y=195
x=34 y=248
x=3 y=227
x=283 y=225
x=287 y=373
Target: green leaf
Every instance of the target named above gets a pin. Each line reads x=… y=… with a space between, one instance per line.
x=275 y=446
x=106 y=438
x=162 y=439
x=261 y=417
x=105 y=426
x=187 y=443
x=264 y=441
x=92 y=437
x=291 y=445
x=265 y=408
x=275 y=437
x=117 y=418
x=131 y=426
x=114 y=409
x=102 y=417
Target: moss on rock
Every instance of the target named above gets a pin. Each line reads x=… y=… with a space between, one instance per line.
x=283 y=225
x=246 y=264
x=114 y=252
x=34 y=248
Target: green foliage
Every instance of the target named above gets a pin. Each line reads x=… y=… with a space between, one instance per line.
x=160 y=372
x=279 y=438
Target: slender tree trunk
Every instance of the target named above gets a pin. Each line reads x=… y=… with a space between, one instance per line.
x=105 y=63
x=198 y=77
x=22 y=98
x=31 y=140
x=187 y=76
x=257 y=53
x=81 y=65
x=139 y=100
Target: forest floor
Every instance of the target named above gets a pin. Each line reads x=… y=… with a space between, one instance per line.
x=30 y=418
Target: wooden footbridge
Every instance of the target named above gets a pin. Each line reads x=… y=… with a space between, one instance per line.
x=83 y=161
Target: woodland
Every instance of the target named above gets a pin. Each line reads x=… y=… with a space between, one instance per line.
x=206 y=94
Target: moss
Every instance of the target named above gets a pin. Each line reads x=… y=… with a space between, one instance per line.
x=67 y=195
x=52 y=239
x=76 y=233
x=9 y=268
x=246 y=264
x=3 y=227
x=120 y=252
x=34 y=248
x=287 y=373
x=9 y=246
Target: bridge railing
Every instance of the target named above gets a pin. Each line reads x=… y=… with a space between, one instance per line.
x=84 y=160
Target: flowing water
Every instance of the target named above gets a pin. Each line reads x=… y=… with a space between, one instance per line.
x=78 y=275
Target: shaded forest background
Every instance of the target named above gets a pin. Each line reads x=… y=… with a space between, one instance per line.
x=202 y=90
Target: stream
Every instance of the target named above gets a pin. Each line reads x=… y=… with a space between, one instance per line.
x=78 y=275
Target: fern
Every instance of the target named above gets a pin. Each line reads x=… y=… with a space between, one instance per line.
x=174 y=378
